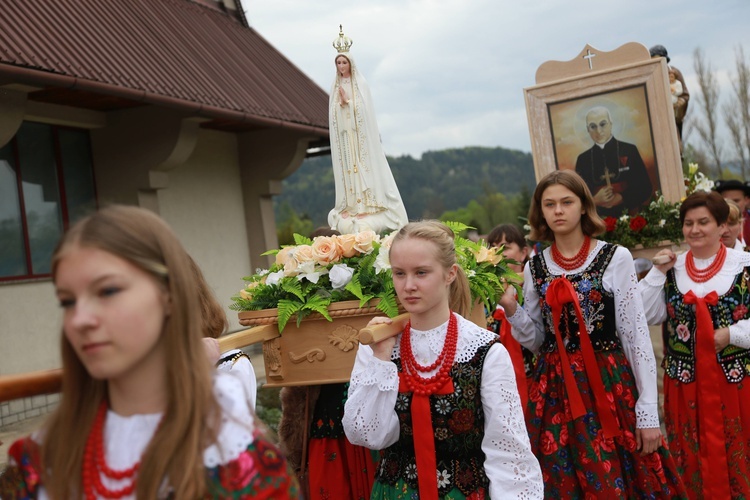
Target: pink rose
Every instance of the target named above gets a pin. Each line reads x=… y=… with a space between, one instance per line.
x=388 y=240
x=303 y=253
x=345 y=243
x=364 y=240
x=290 y=268
x=325 y=250
x=683 y=333
x=284 y=255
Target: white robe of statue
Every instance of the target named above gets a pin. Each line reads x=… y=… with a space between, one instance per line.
x=366 y=193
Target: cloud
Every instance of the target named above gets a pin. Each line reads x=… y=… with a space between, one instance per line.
x=446 y=71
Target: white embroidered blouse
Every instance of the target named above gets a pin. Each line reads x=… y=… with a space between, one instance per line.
x=652 y=290
x=370 y=418
x=630 y=321
x=126 y=438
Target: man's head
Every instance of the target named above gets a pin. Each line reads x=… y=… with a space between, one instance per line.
x=599 y=124
x=658 y=51
x=734 y=190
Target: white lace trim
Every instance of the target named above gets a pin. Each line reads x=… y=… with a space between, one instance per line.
x=470 y=338
x=384 y=374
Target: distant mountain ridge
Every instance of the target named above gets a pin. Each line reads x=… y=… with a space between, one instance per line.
x=441 y=180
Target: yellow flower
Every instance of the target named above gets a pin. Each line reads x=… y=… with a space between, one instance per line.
x=487 y=255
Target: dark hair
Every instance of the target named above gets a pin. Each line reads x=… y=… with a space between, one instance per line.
x=591 y=223
x=713 y=201
x=508 y=232
x=324 y=231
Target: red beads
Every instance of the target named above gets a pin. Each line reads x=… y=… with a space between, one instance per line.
x=703 y=275
x=574 y=262
x=95 y=464
x=410 y=366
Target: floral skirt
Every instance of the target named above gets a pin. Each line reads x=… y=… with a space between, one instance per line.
x=681 y=416
x=577 y=461
x=339 y=470
x=402 y=491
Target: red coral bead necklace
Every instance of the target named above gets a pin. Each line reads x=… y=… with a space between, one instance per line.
x=95 y=464
x=411 y=368
x=574 y=262
x=703 y=275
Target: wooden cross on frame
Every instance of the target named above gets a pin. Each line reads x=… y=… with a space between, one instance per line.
x=589 y=56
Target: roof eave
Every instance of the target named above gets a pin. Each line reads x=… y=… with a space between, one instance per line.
x=45 y=78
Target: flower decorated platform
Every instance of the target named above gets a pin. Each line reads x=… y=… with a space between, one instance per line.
x=308 y=308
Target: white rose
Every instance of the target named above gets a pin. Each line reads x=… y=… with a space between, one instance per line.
x=274 y=278
x=340 y=275
x=309 y=272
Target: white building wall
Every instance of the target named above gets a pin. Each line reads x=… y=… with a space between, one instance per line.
x=204 y=205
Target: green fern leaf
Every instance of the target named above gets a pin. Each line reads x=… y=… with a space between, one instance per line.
x=301 y=240
x=293 y=286
x=287 y=308
x=388 y=303
x=457 y=227
x=318 y=304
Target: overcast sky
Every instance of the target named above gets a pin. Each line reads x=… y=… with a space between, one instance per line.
x=451 y=73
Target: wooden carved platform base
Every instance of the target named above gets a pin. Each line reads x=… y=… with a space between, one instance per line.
x=318 y=352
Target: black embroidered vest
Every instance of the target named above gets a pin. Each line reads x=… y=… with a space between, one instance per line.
x=458 y=424
x=597 y=304
x=679 y=359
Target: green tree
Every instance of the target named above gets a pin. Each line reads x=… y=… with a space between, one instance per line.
x=289 y=223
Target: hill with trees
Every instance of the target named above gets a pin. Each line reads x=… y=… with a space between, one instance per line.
x=476 y=185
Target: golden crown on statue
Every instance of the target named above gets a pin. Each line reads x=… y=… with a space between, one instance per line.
x=342 y=43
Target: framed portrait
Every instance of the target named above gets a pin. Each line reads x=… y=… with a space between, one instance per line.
x=614 y=126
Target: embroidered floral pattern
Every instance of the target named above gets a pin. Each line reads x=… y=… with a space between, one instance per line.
x=458 y=423
x=597 y=305
x=259 y=472
x=577 y=461
x=679 y=361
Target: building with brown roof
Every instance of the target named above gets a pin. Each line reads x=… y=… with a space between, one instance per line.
x=174 y=105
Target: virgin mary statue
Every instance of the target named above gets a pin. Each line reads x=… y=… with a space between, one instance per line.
x=366 y=193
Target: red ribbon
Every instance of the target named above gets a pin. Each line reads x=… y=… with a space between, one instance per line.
x=424 y=438
x=708 y=376
x=559 y=293
x=516 y=356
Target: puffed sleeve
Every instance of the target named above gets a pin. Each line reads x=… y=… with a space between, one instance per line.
x=238 y=363
x=528 y=328
x=651 y=289
x=370 y=418
x=632 y=329
x=511 y=467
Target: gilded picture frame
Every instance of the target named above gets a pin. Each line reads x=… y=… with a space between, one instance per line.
x=634 y=92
